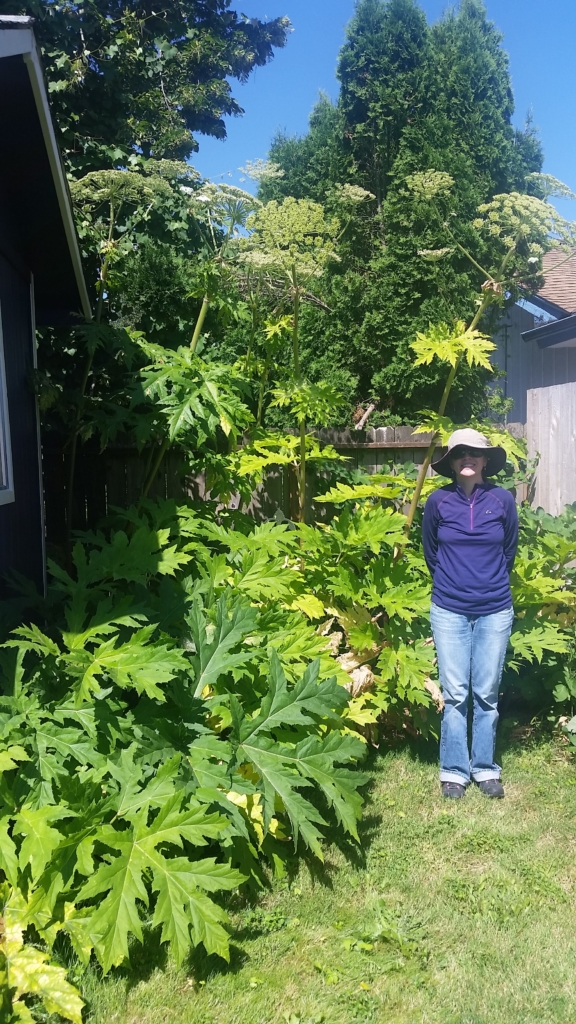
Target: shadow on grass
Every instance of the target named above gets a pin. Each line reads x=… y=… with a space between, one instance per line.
x=144 y=958
x=203 y=966
x=519 y=728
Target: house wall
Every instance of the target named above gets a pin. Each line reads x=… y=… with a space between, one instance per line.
x=21 y=521
x=525 y=365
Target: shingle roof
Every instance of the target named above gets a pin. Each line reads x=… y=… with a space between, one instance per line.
x=560 y=284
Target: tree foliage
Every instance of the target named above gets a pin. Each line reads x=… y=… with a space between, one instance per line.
x=137 y=79
x=413 y=99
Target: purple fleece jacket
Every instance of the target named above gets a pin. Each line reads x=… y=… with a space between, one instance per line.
x=470 y=545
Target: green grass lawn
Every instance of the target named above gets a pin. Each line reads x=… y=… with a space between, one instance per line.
x=449 y=913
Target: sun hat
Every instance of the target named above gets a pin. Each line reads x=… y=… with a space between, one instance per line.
x=468 y=438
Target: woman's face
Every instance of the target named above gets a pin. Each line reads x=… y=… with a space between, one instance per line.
x=468 y=465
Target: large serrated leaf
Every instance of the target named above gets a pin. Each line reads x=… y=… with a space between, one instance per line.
x=40 y=839
x=214 y=657
x=282 y=706
x=264 y=579
x=282 y=780
x=137 y=664
x=285 y=769
x=184 y=908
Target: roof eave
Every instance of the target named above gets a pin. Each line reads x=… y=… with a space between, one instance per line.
x=20 y=40
x=559 y=332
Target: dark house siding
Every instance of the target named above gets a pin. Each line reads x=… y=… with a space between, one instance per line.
x=525 y=364
x=21 y=527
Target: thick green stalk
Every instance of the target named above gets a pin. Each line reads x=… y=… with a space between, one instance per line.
x=441 y=410
x=296 y=354
x=262 y=389
x=200 y=322
x=295 y=326
x=429 y=453
x=83 y=385
x=254 y=312
x=302 y=475
x=106 y=264
x=155 y=467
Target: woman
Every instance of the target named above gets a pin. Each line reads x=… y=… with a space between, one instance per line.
x=470 y=535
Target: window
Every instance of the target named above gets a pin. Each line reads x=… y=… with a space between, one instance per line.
x=6 y=478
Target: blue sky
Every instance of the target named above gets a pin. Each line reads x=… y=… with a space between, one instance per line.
x=539 y=38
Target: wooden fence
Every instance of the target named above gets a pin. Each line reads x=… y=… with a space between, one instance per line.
x=551 y=432
x=115 y=476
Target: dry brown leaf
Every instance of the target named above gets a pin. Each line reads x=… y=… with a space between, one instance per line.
x=333 y=641
x=361 y=680
x=435 y=692
x=324 y=628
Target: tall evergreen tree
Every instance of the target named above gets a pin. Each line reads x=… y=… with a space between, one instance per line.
x=312 y=162
x=413 y=98
x=380 y=70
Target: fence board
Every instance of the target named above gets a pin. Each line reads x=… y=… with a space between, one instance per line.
x=115 y=477
x=551 y=430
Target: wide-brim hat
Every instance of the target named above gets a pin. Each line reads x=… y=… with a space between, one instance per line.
x=468 y=438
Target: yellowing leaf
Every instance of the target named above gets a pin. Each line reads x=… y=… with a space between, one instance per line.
x=29 y=972
x=9 y=758
x=310 y=605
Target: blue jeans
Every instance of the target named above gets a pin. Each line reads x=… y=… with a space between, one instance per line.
x=471 y=651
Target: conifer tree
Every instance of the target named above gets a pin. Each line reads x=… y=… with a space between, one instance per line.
x=312 y=162
x=413 y=98
x=380 y=70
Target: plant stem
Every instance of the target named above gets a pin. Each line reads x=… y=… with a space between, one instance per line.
x=155 y=467
x=295 y=326
x=199 y=322
x=296 y=353
x=302 y=475
x=250 y=342
x=433 y=443
x=469 y=256
x=261 y=392
x=83 y=385
x=106 y=264
x=429 y=454
x=254 y=310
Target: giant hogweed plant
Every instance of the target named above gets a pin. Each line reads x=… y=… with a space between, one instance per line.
x=381 y=603
x=160 y=734
x=291 y=245
x=165 y=733
x=92 y=386
x=513 y=231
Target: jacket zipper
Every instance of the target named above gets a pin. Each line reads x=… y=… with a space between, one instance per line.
x=472 y=511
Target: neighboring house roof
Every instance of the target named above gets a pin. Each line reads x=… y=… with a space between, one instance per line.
x=558 y=298
x=559 y=287
x=36 y=202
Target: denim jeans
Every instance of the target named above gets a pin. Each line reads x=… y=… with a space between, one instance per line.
x=470 y=650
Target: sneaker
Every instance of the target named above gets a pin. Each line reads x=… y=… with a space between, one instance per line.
x=492 y=787
x=452 y=790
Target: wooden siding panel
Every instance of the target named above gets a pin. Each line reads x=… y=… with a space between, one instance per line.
x=21 y=527
x=525 y=364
